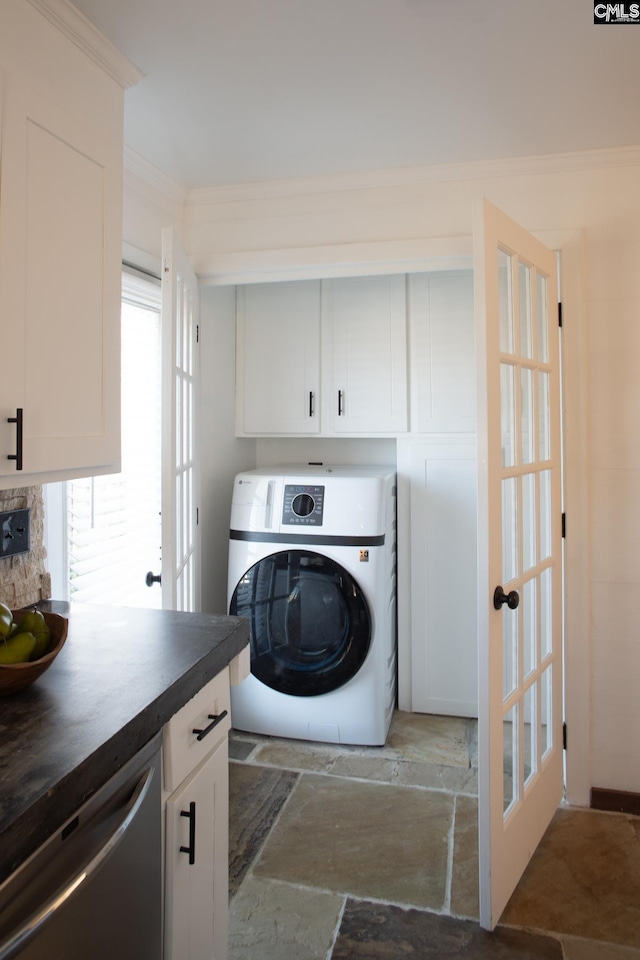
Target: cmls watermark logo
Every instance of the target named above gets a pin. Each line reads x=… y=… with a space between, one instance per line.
x=616 y=13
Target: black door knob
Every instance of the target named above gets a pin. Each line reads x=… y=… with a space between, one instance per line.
x=512 y=599
x=152 y=578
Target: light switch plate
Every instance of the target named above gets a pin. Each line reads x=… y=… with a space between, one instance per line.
x=14 y=532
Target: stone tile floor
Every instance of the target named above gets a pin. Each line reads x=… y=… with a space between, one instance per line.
x=343 y=852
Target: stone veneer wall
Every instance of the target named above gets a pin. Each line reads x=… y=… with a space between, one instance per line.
x=24 y=579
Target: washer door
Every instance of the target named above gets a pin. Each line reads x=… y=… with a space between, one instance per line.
x=310 y=623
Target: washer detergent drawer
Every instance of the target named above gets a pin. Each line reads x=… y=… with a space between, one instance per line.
x=94 y=889
x=196 y=730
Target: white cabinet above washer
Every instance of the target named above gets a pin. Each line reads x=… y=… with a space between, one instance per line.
x=364 y=328
x=322 y=358
x=278 y=358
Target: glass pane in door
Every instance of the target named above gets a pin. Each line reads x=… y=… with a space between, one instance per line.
x=509 y=652
x=508 y=414
x=526 y=326
x=510 y=758
x=529 y=525
x=530 y=733
x=526 y=413
x=505 y=295
x=530 y=633
x=509 y=529
x=546 y=610
x=544 y=414
x=546 y=711
x=542 y=313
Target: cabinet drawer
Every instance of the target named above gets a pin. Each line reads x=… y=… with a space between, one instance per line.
x=182 y=750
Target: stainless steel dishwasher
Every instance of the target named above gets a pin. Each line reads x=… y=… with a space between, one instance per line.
x=94 y=889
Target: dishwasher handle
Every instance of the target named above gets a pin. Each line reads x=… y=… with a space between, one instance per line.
x=16 y=941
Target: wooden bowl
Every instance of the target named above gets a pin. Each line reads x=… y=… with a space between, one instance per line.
x=17 y=676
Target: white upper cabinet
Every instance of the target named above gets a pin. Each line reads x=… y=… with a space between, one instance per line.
x=278 y=350
x=60 y=248
x=322 y=358
x=365 y=345
x=443 y=372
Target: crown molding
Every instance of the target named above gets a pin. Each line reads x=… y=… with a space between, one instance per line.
x=334 y=260
x=410 y=176
x=68 y=19
x=166 y=185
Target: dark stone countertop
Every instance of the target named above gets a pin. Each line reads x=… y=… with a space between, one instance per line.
x=121 y=675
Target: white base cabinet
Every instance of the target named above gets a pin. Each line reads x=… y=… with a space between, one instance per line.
x=196 y=847
x=438 y=628
x=197 y=815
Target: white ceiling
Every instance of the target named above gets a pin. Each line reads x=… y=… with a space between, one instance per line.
x=247 y=90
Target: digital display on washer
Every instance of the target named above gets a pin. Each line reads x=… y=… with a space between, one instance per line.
x=303 y=504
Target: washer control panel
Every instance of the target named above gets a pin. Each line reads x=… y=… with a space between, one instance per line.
x=303 y=504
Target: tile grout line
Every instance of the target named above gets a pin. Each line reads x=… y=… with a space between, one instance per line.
x=446 y=906
x=336 y=932
x=447 y=791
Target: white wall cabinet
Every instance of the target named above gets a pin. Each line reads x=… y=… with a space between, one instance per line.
x=364 y=326
x=443 y=355
x=60 y=247
x=325 y=358
x=278 y=350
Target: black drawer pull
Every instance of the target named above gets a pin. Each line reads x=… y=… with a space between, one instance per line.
x=17 y=456
x=191 y=849
x=215 y=720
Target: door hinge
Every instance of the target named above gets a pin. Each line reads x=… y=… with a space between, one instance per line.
x=564 y=526
x=559 y=314
x=564 y=736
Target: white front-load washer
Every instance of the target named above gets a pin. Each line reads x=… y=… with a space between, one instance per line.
x=312 y=565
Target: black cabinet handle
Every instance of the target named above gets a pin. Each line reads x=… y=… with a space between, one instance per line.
x=17 y=456
x=191 y=849
x=512 y=599
x=152 y=578
x=340 y=403
x=310 y=403
x=215 y=720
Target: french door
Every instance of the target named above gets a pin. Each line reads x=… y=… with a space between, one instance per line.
x=180 y=481
x=519 y=543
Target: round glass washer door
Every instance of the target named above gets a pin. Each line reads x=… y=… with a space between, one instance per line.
x=310 y=623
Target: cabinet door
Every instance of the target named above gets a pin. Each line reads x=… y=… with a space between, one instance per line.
x=278 y=358
x=443 y=575
x=443 y=355
x=365 y=345
x=60 y=226
x=196 y=863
